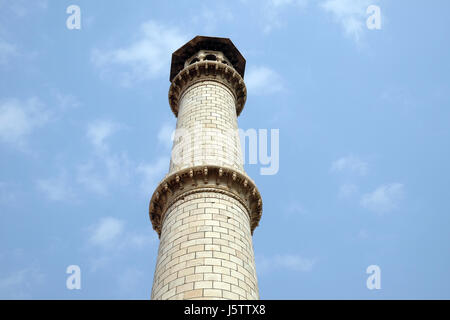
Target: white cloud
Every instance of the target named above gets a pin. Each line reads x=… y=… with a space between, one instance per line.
x=130 y=281
x=139 y=240
x=347 y=190
x=21 y=8
x=350 y=163
x=15 y=10
x=105 y=171
x=147 y=57
x=65 y=101
x=363 y=234
x=106 y=232
x=106 y=168
x=6 y=195
x=152 y=173
x=118 y=168
x=110 y=232
x=166 y=134
x=290 y=262
x=294 y=209
x=294 y=262
x=56 y=189
x=384 y=199
x=209 y=18
x=18 y=119
x=350 y=14
x=109 y=238
x=99 y=131
x=271 y=11
x=281 y=3
x=88 y=177
x=20 y=283
x=399 y=97
x=263 y=80
x=7 y=50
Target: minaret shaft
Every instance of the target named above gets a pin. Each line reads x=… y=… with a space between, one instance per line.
x=207 y=119
x=206 y=208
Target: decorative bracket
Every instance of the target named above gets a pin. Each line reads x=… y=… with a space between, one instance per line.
x=222 y=180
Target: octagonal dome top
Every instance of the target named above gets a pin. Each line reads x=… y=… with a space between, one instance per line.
x=223 y=45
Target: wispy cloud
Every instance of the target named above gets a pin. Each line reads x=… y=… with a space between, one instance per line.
x=350 y=14
x=147 y=57
x=106 y=232
x=347 y=190
x=166 y=134
x=399 y=97
x=18 y=119
x=109 y=237
x=363 y=234
x=351 y=164
x=56 y=189
x=21 y=8
x=293 y=209
x=6 y=195
x=90 y=179
x=105 y=171
x=130 y=281
x=271 y=11
x=294 y=262
x=383 y=199
x=263 y=80
x=99 y=131
x=7 y=51
x=16 y=10
x=111 y=233
x=291 y=262
x=21 y=283
x=65 y=101
x=106 y=168
x=282 y=3
x=152 y=173
x=210 y=17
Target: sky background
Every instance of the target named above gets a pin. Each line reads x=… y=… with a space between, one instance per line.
x=364 y=154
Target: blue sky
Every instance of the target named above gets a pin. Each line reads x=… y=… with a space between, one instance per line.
x=364 y=143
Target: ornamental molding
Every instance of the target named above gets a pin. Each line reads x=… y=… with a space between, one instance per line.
x=207 y=70
x=178 y=185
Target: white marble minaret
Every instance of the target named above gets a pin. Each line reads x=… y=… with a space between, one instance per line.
x=206 y=208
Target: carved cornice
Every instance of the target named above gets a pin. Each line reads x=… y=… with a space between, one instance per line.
x=207 y=70
x=209 y=178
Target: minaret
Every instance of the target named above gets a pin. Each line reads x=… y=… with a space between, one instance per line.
x=206 y=208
